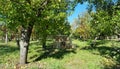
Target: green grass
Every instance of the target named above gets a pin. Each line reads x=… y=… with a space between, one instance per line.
x=83 y=57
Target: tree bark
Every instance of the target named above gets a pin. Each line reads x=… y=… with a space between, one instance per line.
x=24 y=44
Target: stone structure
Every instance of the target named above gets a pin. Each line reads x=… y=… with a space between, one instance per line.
x=62 y=42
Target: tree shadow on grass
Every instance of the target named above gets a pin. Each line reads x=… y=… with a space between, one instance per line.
x=49 y=51
x=94 y=43
x=4 y=49
x=35 y=43
x=54 y=53
x=107 y=52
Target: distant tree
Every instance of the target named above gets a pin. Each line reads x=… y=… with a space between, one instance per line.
x=106 y=22
x=82 y=29
x=4 y=31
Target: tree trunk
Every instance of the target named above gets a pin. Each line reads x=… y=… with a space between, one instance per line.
x=6 y=38
x=24 y=44
x=44 y=41
x=118 y=37
x=18 y=41
x=44 y=44
x=23 y=51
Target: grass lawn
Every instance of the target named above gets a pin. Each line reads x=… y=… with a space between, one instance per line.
x=104 y=56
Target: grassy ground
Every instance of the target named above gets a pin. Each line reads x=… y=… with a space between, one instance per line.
x=103 y=56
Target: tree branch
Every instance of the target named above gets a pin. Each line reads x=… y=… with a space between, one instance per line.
x=42 y=5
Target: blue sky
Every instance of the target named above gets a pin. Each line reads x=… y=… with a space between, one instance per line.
x=79 y=9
